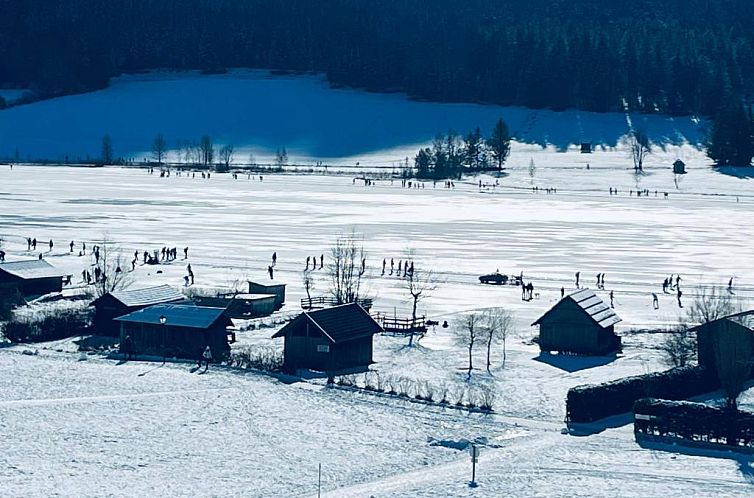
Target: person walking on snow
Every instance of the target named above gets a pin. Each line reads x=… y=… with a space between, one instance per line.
x=680 y=305
x=655 y=302
x=71 y=246
x=50 y=245
x=578 y=274
x=274 y=258
x=612 y=303
x=207 y=357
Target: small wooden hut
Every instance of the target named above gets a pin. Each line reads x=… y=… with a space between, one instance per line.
x=738 y=328
x=332 y=340
x=33 y=277
x=122 y=302
x=277 y=289
x=579 y=323
x=179 y=330
x=586 y=147
x=679 y=167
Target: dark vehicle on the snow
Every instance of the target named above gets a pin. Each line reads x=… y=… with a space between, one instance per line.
x=494 y=279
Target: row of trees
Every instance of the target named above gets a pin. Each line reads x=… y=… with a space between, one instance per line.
x=675 y=56
x=452 y=155
x=731 y=140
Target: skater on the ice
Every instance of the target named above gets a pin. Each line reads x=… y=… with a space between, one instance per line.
x=185 y=252
x=384 y=265
x=71 y=246
x=680 y=305
x=307 y=263
x=598 y=280
x=392 y=265
x=655 y=301
x=363 y=264
x=321 y=261
x=274 y=258
x=612 y=302
x=730 y=285
x=51 y=245
x=314 y=263
x=578 y=274
x=271 y=272
x=34 y=243
x=28 y=243
x=400 y=263
x=97 y=273
x=190 y=273
x=411 y=270
x=562 y=292
x=146 y=257
x=665 y=286
x=602 y=282
x=678 y=281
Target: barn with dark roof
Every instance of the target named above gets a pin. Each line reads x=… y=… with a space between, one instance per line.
x=176 y=330
x=735 y=331
x=579 y=323
x=336 y=339
x=122 y=302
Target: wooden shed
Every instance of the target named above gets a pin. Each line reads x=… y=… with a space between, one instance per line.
x=586 y=147
x=579 y=323
x=331 y=340
x=738 y=327
x=241 y=306
x=122 y=302
x=679 y=167
x=33 y=277
x=179 y=330
x=277 y=289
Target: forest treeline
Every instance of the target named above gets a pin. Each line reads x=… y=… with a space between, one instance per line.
x=672 y=56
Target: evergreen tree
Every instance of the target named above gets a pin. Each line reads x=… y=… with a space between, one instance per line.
x=731 y=140
x=500 y=143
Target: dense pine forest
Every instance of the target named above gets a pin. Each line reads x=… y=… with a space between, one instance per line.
x=672 y=56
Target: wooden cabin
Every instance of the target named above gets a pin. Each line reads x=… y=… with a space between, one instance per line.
x=277 y=289
x=34 y=277
x=122 y=302
x=679 y=167
x=580 y=323
x=332 y=340
x=738 y=328
x=177 y=330
x=586 y=147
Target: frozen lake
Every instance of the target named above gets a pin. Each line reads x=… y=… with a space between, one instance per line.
x=258 y=112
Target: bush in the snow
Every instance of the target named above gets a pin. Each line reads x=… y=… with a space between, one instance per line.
x=594 y=402
x=48 y=325
x=258 y=358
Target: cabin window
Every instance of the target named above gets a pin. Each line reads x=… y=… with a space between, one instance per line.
x=323 y=348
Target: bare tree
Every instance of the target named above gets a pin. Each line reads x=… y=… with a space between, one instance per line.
x=107 y=150
x=733 y=345
x=419 y=284
x=252 y=159
x=532 y=170
x=226 y=156
x=497 y=325
x=112 y=264
x=709 y=305
x=640 y=147
x=468 y=332
x=159 y=148
x=678 y=346
x=308 y=282
x=346 y=268
x=207 y=150
x=281 y=157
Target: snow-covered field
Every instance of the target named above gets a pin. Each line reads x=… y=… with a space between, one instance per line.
x=95 y=428
x=258 y=112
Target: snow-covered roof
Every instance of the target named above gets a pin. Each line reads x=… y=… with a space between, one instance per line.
x=177 y=315
x=31 y=269
x=602 y=314
x=148 y=295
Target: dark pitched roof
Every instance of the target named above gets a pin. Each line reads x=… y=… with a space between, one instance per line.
x=148 y=296
x=339 y=323
x=744 y=318
x=177 y=315
x=602 y=314
x=30 y=269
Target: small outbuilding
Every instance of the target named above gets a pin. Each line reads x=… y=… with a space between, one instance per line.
x=735 y=332
x=332 y=340
x=179 y=330
x=241 y=306
x=679 y=167
x=277 y=289
x=33 y=277
x=586 y=147
x=122 y=302
x=580 y=323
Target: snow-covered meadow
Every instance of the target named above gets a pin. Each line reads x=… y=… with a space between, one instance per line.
x=94 y=428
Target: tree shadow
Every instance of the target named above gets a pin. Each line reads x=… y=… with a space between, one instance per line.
x=742 y=172
x=574 y=363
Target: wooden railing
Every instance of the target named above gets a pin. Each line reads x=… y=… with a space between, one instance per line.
x=400 y=325
x=319 y=302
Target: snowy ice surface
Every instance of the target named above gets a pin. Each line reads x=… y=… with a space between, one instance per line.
x=258 y=112
x=95 y=428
